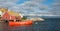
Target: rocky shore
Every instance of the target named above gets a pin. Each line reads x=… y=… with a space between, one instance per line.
x=36 y=19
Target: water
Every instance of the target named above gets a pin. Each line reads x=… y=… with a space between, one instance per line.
x=50 y=24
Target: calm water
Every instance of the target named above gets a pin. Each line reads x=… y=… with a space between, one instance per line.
x=50 y=24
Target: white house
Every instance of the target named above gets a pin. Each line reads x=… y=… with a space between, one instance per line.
x=1 y=13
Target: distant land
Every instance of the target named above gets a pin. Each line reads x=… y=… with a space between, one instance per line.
x=42 y=16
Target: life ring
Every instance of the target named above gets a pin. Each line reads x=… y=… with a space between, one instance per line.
x=24 y=23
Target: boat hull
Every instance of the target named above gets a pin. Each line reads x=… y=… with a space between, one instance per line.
x=25 y=23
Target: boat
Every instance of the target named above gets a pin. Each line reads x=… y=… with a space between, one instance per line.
x=21 y=23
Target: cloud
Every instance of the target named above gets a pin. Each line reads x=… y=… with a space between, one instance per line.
x=28 y=7
x=7 y=3
x=55 y=8
x=38 y=0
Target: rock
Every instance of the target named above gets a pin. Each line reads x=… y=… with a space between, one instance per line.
x=37 y=19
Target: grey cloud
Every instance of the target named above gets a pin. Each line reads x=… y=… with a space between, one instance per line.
x=55 y=7
x=30 y=8
x=7 y=3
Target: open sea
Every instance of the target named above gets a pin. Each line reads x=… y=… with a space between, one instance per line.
x=50 y=24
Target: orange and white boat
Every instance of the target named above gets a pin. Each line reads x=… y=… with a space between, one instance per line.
x=22 y=23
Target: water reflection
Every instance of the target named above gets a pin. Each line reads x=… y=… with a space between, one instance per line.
x=6 y=27
x=1 y=26
x=20 y=28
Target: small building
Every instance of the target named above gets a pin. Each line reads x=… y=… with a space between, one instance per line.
x=10 y=15
x=0 y=15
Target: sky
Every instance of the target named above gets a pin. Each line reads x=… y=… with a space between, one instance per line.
x=29 y=7
x=47 y=2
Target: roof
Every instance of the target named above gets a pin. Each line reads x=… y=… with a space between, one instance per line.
x=13 y=13
x=3 y=9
